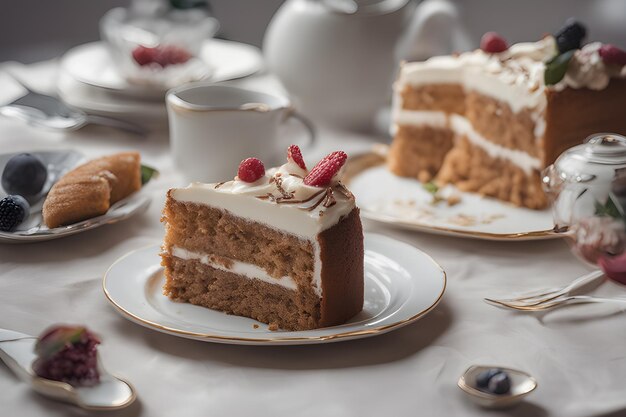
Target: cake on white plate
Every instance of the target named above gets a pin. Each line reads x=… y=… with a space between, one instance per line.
x=489 y=120
x=284 y=247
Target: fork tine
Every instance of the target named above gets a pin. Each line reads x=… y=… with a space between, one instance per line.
x=550 y=294
x=538 y=307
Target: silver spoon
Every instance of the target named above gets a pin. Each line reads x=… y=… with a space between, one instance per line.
x=50 y=112
x=112 y=393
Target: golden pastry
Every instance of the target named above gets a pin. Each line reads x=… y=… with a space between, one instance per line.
x=90 y=189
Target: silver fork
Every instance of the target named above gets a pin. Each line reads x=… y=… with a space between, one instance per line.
x=557 y=302
x=545 y=296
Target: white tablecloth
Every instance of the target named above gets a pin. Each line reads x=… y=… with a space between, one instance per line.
x=578 y=356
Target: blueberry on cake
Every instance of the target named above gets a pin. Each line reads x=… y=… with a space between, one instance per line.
x=489 y=120
x=283 y=246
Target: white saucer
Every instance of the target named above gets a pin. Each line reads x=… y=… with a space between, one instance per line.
x=91 y=64
x=403 y=202
x=58 y=163
x=402 y=284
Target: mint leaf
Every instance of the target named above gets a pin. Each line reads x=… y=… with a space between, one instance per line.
x=609 y=209
x=557 y=67
x=147 y=173
x=431 y=187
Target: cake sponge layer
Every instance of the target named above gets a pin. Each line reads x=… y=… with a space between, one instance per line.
x=203 y=229
x=196 y=283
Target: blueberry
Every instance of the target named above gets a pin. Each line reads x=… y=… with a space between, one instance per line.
x=499 y=384
x=483 y=378
x=13 y=210
x=24 y=174
x=570 y=36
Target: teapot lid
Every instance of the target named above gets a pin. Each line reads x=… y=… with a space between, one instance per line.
x=599 y=148
x=606 y=148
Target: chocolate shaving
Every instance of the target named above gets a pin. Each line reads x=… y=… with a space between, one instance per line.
x=343 y=190
x=219 y=184
x=281 y=190
x=329 y=198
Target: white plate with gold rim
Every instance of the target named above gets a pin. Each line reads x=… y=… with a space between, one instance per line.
x=402 y=284
x=404 y=202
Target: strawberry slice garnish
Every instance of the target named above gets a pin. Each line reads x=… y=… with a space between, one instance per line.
x=294 y=154
x=322 y=174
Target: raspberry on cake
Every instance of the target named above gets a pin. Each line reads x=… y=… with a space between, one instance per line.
x=490 y=120
x=276 y=249
x=68 y=354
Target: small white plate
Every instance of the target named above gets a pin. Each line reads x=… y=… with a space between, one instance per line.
x=91 y=64
x=58 y=163
x=403 y=202
x=402 y=284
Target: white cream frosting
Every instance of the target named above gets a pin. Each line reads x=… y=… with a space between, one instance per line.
x=280 y=200
x=515 y=76
x=240 y=268
x=301 y=210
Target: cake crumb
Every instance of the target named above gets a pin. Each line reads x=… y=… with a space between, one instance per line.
x=273 y=327
x=453 y=199
x=424 y=176
x=256 y=326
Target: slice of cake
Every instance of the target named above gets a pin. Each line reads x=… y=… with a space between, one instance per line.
x=283 y=247
x=490 y=120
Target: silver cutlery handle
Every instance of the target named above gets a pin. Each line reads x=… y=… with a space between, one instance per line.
x=117 y=123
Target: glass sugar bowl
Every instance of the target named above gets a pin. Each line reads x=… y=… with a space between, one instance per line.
x=587 y=184
x=159 y=43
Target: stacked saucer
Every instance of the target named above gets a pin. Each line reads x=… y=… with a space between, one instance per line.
x=89 y=80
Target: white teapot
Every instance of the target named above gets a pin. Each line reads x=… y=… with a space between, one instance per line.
x=338 y=58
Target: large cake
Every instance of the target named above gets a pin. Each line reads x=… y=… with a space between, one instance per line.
x=284 y=247
x=490 y=120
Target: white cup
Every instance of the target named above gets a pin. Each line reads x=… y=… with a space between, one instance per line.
x=213 y=128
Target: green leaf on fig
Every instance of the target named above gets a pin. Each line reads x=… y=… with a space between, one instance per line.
x=147 y=173
x=55 y=340
x=557 y=67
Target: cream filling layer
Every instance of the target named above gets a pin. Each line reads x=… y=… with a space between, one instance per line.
x=461 y=126
x=240 y=268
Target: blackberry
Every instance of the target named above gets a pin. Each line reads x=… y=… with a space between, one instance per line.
x=570 y=36
x=13 y=210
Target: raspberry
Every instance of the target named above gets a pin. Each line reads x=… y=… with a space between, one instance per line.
x=144 y=56
x=493 y=43
x=13 y=210
x=68 y=354
x=171 y=55
x=294 y=154
x=570 y=36
x=322 y=173
x=612 y=55
x=250 y=170
x=161 y=55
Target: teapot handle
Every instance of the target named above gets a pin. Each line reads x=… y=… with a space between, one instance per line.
x=434 y=29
